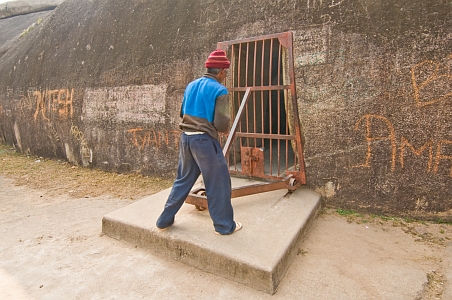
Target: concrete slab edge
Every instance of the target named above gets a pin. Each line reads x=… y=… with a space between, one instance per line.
x=292 y=251
x=209 y=261
x=189 y=254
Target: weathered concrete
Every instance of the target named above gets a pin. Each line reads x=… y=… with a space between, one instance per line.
x=258 y=256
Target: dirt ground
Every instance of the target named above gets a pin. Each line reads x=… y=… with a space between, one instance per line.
x=51 y=246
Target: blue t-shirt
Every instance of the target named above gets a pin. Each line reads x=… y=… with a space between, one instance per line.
x=200 y=96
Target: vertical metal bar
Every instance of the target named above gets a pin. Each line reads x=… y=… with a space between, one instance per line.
x=254 y=94
x=287 y=108
x=254 y=116
x=239 y=84
x=288 y=144
x=254 y=63
x=239 y=67
x=270 y=104
x=295 y=114
x=279 y=110
x=233 y=66
x=286 y=104
x=238 y=141
x=246 y=63
x=262 y=92
x=246 y=84
x=279 y=93
x=233 y=96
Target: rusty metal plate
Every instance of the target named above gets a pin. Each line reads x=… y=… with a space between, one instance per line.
x=252 y=161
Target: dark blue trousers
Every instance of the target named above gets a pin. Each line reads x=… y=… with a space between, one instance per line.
x=198 y=154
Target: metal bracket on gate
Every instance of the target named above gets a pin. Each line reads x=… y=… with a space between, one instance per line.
x=253 y=161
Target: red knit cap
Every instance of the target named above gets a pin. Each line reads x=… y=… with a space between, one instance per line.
x=217 y=60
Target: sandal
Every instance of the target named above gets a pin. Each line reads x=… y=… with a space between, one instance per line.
x=238 y=226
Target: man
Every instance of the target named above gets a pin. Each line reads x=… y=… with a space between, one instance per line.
x=204 y=113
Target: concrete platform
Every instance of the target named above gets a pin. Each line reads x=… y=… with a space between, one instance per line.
x=258 y=256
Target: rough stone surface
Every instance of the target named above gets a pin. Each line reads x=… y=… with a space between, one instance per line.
x=14 y=8
x=373 y=85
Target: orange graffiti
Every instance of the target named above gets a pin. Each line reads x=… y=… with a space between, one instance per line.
x=149 y=137
x=440 y=156
x=40 y=106
x=370 y=139
x=55 y=102
x=428 y=145
x=434 y=159
x=435 y=82
x=61 y=102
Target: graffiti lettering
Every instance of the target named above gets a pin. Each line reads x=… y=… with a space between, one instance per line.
x=319 y=3
x=214 y=12
x=312 y=45
x=80 y=136
x=53 y=131
x=209 y=16
x=149 y=137
x=440 y=156
x=131 y=103
x=18 y=92
x=25 y=105
x=335 y=3
x=54 y=102
x=9 y=91
x=61 y=102
x=388 y=134
x=432 y=82
x=428 y=145
x=370 y=139
x=40 y=106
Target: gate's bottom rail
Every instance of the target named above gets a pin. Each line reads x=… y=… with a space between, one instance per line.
x=198 y=198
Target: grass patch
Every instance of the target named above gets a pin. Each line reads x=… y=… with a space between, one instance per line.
x=345 y=212
x=439 y=221
x=61 y=177
x=435 y=232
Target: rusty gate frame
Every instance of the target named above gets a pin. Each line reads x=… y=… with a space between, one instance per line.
x=292 y=179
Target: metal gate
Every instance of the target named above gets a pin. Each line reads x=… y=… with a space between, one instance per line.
x=265 y=138
x=267 y=142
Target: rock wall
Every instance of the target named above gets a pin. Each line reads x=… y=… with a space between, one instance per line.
x=99 y=83
x=21 y=7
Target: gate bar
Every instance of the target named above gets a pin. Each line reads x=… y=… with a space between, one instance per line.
x=236 y=122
